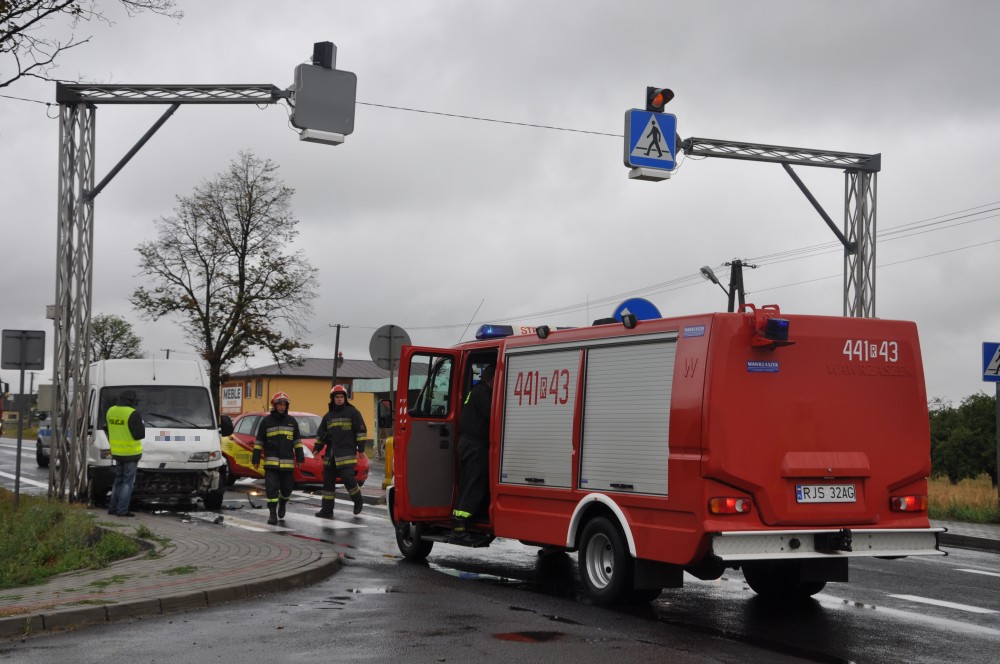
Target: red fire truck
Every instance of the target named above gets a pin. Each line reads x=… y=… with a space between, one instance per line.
x=780 y=445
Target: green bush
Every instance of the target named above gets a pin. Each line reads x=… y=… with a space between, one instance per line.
x=44 y=538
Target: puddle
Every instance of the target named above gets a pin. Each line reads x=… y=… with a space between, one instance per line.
x=529 y=637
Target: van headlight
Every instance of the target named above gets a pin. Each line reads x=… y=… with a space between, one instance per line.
x=202 y=457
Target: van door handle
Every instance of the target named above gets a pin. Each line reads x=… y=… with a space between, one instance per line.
x=620 y=485
x=535 y=480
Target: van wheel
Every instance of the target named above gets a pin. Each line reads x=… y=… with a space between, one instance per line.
x=606 y=566
x=230 y=478
x=779 y=580
x=213 y=500
x=410 y=544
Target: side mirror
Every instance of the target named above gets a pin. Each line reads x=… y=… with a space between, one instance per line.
x=226 y=425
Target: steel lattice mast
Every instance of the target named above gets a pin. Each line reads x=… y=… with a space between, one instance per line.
x=75 y=249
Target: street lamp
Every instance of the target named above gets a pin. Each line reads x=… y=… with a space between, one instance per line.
x=707 y=272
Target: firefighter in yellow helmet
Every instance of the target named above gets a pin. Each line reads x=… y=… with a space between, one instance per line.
x=343 y=429
x=279 y=442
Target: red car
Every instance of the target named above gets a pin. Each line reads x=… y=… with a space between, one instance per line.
x=238 y=450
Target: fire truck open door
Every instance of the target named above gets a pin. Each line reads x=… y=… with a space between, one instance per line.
x=425 y=443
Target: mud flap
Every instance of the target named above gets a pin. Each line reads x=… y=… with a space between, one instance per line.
x=650 y=574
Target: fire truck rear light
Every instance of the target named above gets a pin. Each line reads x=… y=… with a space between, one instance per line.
x=730 y=505
x=908 y=503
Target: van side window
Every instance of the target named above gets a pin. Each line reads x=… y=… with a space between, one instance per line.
x=433 y=398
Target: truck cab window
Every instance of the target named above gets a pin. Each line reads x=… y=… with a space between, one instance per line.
x=433 y=398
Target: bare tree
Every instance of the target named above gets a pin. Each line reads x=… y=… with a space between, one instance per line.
x=224 y=262
x=112 y=338
x=27 y=47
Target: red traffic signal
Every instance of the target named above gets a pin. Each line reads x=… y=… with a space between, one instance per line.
x=657 y=98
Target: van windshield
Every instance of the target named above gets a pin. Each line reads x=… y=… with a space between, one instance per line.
x=171 y=406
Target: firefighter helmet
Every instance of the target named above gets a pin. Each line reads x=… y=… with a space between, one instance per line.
x=338 y=389
x=280 y=396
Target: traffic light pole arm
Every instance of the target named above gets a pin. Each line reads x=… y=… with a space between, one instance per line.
x=708 y=147
x=169 y=94
x=175 y=95
x=851 y=161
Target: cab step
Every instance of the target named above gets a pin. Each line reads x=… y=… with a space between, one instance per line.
x=471 y=539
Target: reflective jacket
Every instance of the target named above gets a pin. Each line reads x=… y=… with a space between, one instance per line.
x=343 y=429
x=279 y=442
x=125 y=433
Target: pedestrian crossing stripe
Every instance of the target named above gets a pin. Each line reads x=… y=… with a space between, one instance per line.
x=652 y=144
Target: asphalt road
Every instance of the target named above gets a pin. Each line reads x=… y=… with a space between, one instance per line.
x=507 y=602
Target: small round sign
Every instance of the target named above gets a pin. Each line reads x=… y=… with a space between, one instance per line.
x=385 y=346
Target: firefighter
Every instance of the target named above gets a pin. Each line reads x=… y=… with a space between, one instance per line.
x=279 y=442
x=343 y=429
x=473 y=453
x=125 y=433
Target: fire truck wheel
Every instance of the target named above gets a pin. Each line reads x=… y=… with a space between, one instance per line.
x=605 y=564
x=779 y=580
x=409 y=542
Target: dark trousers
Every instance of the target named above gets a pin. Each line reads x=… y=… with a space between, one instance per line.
x=473 y=476
x=278 y=483
x=339 y=463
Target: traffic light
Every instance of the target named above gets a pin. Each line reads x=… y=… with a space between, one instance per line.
x=657 y=98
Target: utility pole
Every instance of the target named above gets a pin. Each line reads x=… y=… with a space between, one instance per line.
x=336 y=353
x=736 y=284
x=167 y=351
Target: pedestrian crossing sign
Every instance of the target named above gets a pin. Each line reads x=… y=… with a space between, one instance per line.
x=991 y=362
x=650 y=140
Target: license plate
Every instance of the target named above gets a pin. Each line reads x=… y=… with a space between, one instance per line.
x=824 y=493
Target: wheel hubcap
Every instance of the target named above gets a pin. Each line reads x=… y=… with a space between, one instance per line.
x=600 y=561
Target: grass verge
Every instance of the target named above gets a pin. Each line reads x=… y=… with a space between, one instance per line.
x=971 y=500
x=44 y=538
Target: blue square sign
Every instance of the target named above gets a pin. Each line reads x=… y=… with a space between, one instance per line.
x=650 y=140
x=991 y=362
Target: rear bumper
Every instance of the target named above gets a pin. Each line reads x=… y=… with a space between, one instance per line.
x=797 y=544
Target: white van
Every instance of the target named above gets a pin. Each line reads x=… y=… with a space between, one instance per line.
x=182 y=452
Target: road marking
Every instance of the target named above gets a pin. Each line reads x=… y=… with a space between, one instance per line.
x=947 y=605
x=25 y=480
x=977 y=571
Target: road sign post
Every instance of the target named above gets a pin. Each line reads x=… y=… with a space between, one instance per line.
x=385 y=346
x=991 y=374
x=23 y=350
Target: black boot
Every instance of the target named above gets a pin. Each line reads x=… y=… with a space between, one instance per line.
x=273 y=519
x=281 y=507
x=359 y=502
x=326 y=511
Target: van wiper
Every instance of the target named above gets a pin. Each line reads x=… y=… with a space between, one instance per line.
x=191 y=425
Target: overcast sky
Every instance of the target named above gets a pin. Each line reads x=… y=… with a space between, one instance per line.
x=418 y=218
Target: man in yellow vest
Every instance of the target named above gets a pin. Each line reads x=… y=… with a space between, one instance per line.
x=125 y=433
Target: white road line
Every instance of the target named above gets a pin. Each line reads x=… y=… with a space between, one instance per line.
x=947 y=605
x=977 y=571
x=25 y=480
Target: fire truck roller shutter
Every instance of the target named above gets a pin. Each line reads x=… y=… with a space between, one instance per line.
x=538 y=419
x=626 y=422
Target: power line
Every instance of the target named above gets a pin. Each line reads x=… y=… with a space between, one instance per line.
x=482 y=119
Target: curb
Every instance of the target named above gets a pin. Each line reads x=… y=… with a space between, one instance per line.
x=969 y=542
x=27 y=624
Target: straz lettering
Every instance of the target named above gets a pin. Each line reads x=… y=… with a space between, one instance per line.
x=865 y=350
x=532 y=387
